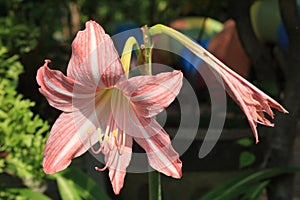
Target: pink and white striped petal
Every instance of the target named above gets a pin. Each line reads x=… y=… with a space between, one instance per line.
x=251 y=100
x=151 y=94
x=161 y=155
x=117 y=163
x=71 y=135
x=94 y=59
x=60 y=90
x=148 y=134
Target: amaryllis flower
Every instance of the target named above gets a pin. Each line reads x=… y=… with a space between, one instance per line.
x=101 y=105
x=252 y=101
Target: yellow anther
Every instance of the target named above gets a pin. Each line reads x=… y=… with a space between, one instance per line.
x=115 y=133
x=89 y=131
x=106 y=138
x=99 y=134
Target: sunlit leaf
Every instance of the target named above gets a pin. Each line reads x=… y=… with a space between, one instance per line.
x=27 y=193
x=80 y=184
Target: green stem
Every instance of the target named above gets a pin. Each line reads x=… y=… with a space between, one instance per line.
x=154 y=185
x=147 y=50
x=154 y=176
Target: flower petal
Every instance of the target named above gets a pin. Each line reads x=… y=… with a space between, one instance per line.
x=60 y=90
x=161 y=155
x=151 y=94
x=117 y=163
x=71 y=135
x=94 y=59
x=62 y=145
x=251 y=100
x=148 y=133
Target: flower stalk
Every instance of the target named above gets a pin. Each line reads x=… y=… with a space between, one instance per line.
x=154 y=180
x=147 y=50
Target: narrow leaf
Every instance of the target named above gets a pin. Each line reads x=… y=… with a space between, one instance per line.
x=86 y=187
x=234 y=186
x=67 y=188
x=255 y=191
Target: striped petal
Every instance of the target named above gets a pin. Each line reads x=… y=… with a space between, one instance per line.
x=148 y=134
x=161 y=155
x=251 y=100
x=151 y=94
x=117 y=163
x=94 y=59
x=61 y=92
x=62 y=145
x=71 y=135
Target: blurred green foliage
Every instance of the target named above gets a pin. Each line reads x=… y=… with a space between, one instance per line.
x=247 y=158
x=22 y=133
x=74 y=184
x=247 y=186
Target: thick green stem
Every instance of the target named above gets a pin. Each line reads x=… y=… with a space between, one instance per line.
x=154 y=176
x=154 y=185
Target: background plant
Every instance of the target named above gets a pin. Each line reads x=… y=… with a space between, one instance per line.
x=22 y=133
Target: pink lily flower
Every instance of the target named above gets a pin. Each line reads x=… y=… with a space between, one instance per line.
x=101 y=105
x=252 y=101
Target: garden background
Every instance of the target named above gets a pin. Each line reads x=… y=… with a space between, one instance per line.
x=266 y=34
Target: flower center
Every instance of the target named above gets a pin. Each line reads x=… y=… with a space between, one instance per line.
x=109 y=105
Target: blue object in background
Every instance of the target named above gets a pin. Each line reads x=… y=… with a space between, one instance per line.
x=190 y=61
x=123 y=32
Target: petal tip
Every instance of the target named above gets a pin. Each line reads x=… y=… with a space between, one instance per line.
x=47 y=61
x=174 y=171
x=51 y=169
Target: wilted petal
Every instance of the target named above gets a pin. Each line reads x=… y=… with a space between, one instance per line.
x=151 y=94
x=251 y=100
x=94 y=59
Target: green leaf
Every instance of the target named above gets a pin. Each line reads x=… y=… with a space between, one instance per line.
x=245 y=142
x=236 y=186
x=86 y=187
x=28 y=193
x=246 y=158
x=255 y=191
x=67 y=188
